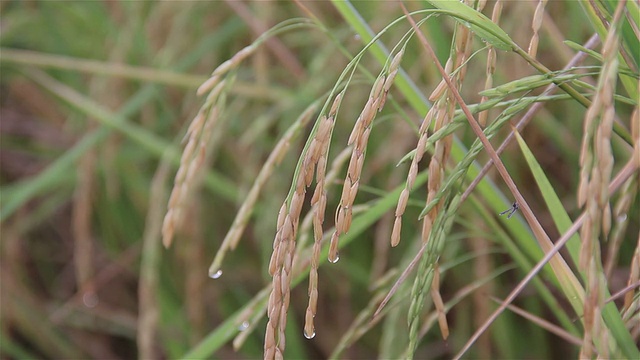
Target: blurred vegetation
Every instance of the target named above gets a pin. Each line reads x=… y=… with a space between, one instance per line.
x=96 y=98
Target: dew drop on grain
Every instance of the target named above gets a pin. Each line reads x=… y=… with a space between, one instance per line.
x=334 y=260
x=309 y=336
x=215 y=275
x=90 y=299
x=244 y=326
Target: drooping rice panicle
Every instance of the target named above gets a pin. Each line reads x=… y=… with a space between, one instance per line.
x=242 y=216
x=281 y=264
x=192 y=162
x=316 y=161
x=358 y=139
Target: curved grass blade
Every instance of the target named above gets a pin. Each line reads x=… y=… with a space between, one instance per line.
x=477 y=22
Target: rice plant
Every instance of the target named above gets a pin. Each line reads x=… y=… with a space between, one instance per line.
x=435 y=179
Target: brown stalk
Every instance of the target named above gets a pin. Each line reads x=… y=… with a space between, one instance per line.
x=552 y=328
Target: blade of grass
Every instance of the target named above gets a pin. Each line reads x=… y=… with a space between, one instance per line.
x=562 y=220
x=40 y=59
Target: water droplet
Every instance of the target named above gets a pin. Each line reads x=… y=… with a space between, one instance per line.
x=334 y=260
x=356 y=37
x=90 y=299
x=622 y=218
x=244 y=326
x=309 y=336
x=215 y=275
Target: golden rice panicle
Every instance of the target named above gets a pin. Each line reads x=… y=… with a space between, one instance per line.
x=359 y=139
x=319 y=203
x=280 y=268
x=536 y=24
x=442 y=115
x=192 y=163
x=282 y=258
x=411 y=177
x=444 y=111
x=278 y=299
x=444 y=107
x=596 y=154
x=597 y=165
